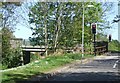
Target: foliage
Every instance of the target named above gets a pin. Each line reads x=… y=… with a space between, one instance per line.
x=116 y=19
x=34 y=57
x=6 y=35
x=15 y=58
x=8 y=3
x=12 y=60
x=114 y=45
x=64 y=23
x=9 y=18
x=10 y=57
x=40 y=67
x=102 y=37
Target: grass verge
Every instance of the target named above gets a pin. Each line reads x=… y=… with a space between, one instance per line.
x=39 y=67
x=114 y=45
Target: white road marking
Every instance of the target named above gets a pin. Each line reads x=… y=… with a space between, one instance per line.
x=106 y=57
x=114 y=66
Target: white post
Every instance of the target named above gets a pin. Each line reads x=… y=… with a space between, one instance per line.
x=96 y=24
x=83 y=31
x=119 y=21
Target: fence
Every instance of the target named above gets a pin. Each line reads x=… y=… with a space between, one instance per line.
x=101 y=47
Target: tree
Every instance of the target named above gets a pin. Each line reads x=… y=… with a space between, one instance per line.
x=9 y=20
x=41 y=25
x=116 y=19
x=64 y=22
x=7 y=32
x=6 y=36
x=10 y=57
x=54 y=18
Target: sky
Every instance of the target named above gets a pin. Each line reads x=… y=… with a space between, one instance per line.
x=24 y=32
x=114 y=30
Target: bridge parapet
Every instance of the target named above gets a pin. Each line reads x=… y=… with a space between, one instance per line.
x=33 y=47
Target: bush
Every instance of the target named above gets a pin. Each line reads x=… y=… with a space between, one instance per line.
x=114 y=45
x=13 y=59
x=6 y=51
x=10 y=57
x=34 y=57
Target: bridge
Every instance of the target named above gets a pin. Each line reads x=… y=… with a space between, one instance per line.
x=101 y=47
x=33 y=48
x=27 y=49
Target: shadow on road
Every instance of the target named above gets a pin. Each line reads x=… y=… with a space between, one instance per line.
x=114 y=51
x=82 y=77
x=73 y=77
x=87 y=76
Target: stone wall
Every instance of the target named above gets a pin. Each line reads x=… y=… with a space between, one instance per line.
x=16 y=42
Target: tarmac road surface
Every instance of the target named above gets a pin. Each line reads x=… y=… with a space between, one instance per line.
x=100 y=69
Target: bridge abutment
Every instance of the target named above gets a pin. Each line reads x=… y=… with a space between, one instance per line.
x=26 y=57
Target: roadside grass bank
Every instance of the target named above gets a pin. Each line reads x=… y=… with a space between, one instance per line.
x=40 y=67
x=114 y=46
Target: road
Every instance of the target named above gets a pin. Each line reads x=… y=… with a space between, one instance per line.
x=102 y=68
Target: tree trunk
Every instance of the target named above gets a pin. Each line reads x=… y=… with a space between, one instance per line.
x=57 y=29
x=57 y=32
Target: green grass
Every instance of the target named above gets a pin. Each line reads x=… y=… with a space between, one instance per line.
x=40 y=67
x=0 y=66
x=114 y=46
